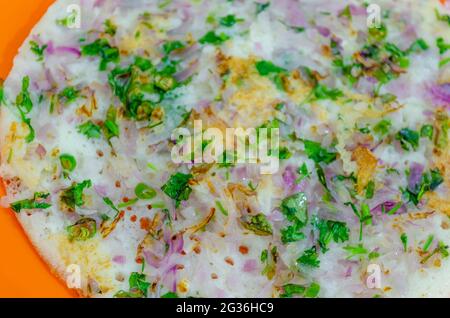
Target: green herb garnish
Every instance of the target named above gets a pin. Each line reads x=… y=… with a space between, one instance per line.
x=309 y=258
x=73 y=196
x=178 y=187
x=90 y=130
x=104 y=50
x=38 y=50
x=37 y=202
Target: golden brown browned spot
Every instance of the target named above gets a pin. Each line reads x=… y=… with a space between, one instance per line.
x=438 y=203
x=367 y=164
x=94 y=263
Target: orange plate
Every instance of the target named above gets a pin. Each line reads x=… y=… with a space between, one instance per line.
x=22 y=272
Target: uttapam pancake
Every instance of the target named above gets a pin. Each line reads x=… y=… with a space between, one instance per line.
x=360 y=94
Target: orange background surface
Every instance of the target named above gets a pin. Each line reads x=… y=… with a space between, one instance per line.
x=22 y=272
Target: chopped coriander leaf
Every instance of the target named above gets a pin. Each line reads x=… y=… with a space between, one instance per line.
x=351 y=178
x=69 y=20
x=215 y=39
x=125 y=294
x=397 y=55
x=295 y=209
x=373 y=255
x=404 y=239
x=221 y=208
x=37 y=202
x=82 y=230
x=260 y=7
x=393 y=210
x=2 y=93
x=408 y=136
x=68 y=162
x=387 y=98
x=266 y=68
x=364 y=130
x=346 y=12
x=290 y=290
x=323 y=180
x=274 y=72
x=284 y=153
x=229 y=20
x=444 y=62
x=170 y=295
x=322 y=92
x=141 y=86
x=370 y=189
x=291 y=234
x=364 y=215
x=427 y=131
x=442 y=46
x=31 y=134
x=90 y=130
x=258 y=224
x=377 y=35
x=172 y=46
x=356 y=250
x=110 y=28
x=428 y=242
x=24 y=105
x=331 y=230
x=144 y=192
x=38 y=50
x=69 y=94
x=315 y=152
x=303 y=172
x=177 y=187
x=138 y=283
x=312 y=291
x=417 y=46
x=104 y=50
x=23 y=100
x=309 y=258
x=429 y=182
x=164 y=3
x=383 y=127
x=442 y=17
x=73 y=196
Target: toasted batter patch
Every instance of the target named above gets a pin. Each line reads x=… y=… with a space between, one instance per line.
x=367 y=164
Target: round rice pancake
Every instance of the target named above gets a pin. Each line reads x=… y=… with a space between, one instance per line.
x=102 y=113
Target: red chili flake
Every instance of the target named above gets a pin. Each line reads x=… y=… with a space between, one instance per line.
x=214 y=276
x=229 y=261
x=100 y=153
x=183 y=252
x=149 y=207
x=118 y=185
x=243 y=249
x=125 y=200
x=129 y=208
x=179 y=266
x=197 y=249
x=139 y=260
x=133 y=218
x=145 y=223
